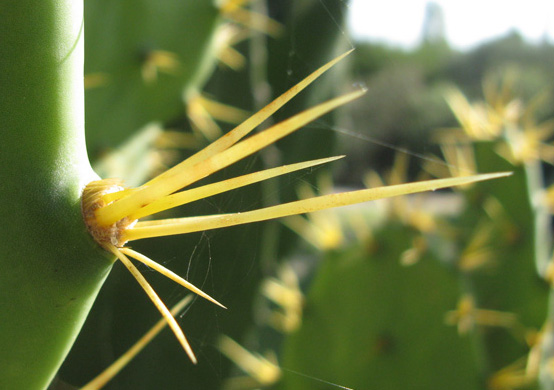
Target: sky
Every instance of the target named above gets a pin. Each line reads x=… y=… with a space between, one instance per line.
x=467 y=22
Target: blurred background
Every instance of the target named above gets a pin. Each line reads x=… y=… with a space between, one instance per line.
x=447 y=290
x=406 y=53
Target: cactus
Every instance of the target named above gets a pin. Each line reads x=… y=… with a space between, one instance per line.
x=486 y=267
x=507 y=133
x=145 y=58
x=54 y=269
x=114 y=300
x=141 y=78
x=381 y=323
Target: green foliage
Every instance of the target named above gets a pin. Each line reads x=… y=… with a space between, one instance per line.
x=370 y=318
x=371 y=322
x=144 y=53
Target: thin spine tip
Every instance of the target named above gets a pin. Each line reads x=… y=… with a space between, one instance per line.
x=169 y=274
x=503 y=174
x=194 y=224
x=162 y=308
x=489 y=176
x=333 y=158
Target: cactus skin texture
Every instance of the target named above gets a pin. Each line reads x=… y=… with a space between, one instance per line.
x=145 y=53
x=515 y=278
x=510 y=283
x=371 y=321
x=51 y=268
